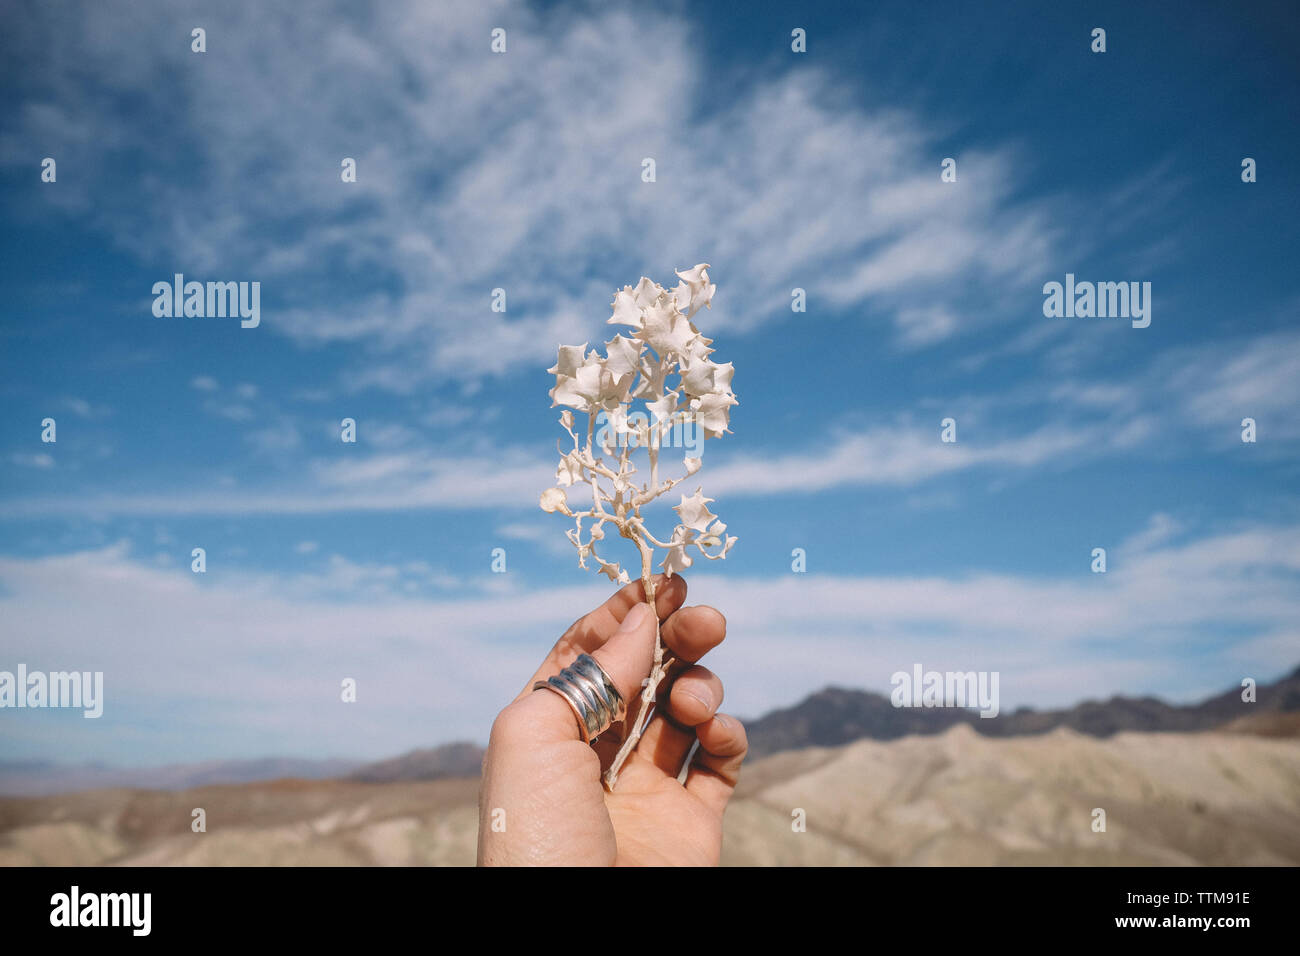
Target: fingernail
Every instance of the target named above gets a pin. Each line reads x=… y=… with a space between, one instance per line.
x=634 y=618
x=722 y=719
x=702 y=698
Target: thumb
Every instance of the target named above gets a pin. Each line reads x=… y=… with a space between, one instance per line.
x=629 y=653
x=626 y=657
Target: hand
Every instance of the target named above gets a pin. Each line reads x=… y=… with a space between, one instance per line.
x=548 y=782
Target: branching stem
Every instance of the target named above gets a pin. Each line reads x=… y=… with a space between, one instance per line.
x=635 y=723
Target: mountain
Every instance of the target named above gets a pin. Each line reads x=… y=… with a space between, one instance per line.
x=960 y=799
x=461 y=759
x=36 y=777
x=829 y=718
x=954 y=798
x=836 y=716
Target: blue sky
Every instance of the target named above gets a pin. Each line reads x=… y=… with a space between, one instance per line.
x=522 y=171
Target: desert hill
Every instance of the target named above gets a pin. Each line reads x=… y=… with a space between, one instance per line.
x=952 y=798
x=828 y=718
x=835 y=716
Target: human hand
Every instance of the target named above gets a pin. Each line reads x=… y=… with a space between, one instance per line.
x=548 y=782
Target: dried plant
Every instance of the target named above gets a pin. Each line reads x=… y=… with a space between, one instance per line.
x=664 y=365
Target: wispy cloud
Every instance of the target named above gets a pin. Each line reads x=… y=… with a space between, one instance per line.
x=898 y=456
x=1190 y=399
x=528 y=143
x=85 y=409
x=1256 y=377
x=383 y=482
x=37 y=460
x=268 y=652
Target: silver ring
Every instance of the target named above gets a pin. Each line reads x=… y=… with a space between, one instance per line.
x=591 y=693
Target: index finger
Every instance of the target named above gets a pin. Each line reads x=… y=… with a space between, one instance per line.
x=592 y=630
x=670 y=592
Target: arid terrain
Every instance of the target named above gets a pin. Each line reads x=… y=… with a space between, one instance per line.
x=1217 y=798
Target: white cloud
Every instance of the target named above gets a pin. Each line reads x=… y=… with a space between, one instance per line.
x=415 y=478
x=478 y=171
x=919 y=327
x=383 y=482
x=1206 y=389
x=267 y=652
x=1256 y=377
x=234 y=411
x=1202 y=389
x=1160 y=528
x=895 y=456
x=543 y=533
x=85 y=409
x=275 y=440
x=36 y=460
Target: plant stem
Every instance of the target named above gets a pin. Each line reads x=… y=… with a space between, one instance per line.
x=635 y=724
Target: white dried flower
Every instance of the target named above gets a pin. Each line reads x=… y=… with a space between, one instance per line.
x=553 y=499
x=663 y=364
